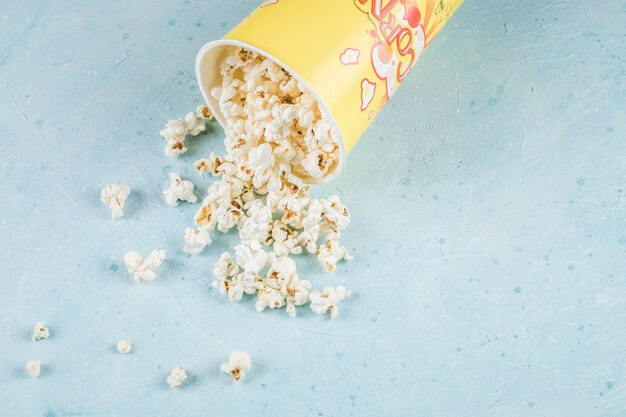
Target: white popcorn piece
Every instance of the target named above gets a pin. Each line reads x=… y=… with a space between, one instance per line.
x=114 y=196
x=176 y=378
x=296 y=293
x=124 y=346
x=179 y=190
x=33 y=368
x=204 y=112
x=40 y=331
x=196 y=240
x=143 y=269
x=243 y=283
x=326 y=301
x=194 y=125
x=238 y=364
x=332 y=252
x=175 y=148
x=260 y=161
x=204 y=166
x=225 y=267
x=335 y=217
x=174 y=131
x=251 y=258
x=269 y=297
x=285 y=240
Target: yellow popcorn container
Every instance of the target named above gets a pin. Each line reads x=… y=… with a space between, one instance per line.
x=351 y=54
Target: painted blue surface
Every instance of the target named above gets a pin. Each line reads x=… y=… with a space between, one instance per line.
x=488 y=205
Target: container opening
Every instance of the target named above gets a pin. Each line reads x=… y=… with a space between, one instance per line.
x=208 y=63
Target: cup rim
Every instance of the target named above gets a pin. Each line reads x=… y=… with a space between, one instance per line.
x=212 y=103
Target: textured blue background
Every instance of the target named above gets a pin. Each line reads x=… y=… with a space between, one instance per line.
x=488 y=205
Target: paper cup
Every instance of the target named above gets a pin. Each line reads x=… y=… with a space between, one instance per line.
x=351 y=54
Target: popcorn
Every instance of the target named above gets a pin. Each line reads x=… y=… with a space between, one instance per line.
x=176 y=378
x=40 y=331
x=204 y=166
x=204 y=112
x=124 y=346
x=318 y=163
x=194 y=124
x=176 y=130
x=175 y=148
x=269 y=297
x=33 y=368
x=332 y=252
x=143 y=269
x=327 y=300
x=196 y=240
x=276 y=135
x=260 y=161
x=179 y=190
x=243 y=283
x=114 y=196
x=281 y=271
x=238 y=364
x=296 y=294
x=285 y=240
x=225 y=267
x=336 y=217
x=250 y=257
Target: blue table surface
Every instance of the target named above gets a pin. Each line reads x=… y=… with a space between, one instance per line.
x=488 y=226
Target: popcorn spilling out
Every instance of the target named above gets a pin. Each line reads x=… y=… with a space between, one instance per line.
x=33 y=368
x=124 y=346
x=176 y=378
x=238 y=364
x=177 y=130
x=327 y=300
x=114 y=196
x=276 y=134
x=179 y=190
x=143 y=269
x=40 y=331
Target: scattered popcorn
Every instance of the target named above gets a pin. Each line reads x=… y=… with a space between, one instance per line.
x=327 y=300
x=124 y=346
x=196 y=240
x=238 y=364
x=175 y=148
x=143 y=269
x=179 y=190
x=177 y=377
x=276 y=135
x=175 y=131
x=204 y=112
x=251 y=257
x=225 y=267
x=33 y=368
x=40 y=331
x=194 y=124
x=332 y=252
x=204 y=166
x=114 y=196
